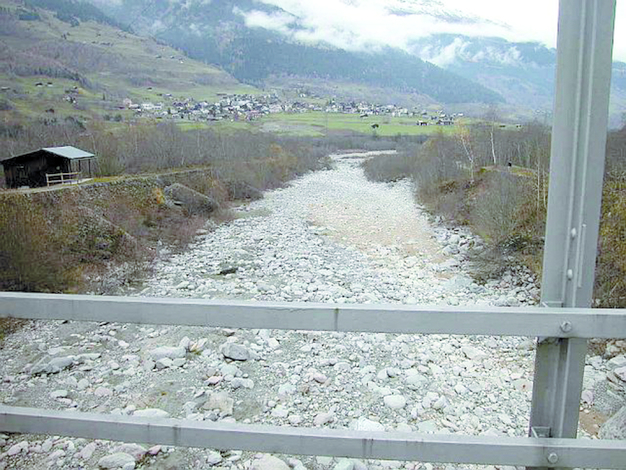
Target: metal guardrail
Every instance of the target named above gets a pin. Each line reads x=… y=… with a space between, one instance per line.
x=533 y=321
x=495 y=321
x=577 y=154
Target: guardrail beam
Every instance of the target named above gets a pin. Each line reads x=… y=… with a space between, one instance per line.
x=308 y=441
x=402 y=319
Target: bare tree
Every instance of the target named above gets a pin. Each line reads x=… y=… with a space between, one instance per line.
x=492 y=117
x=464 y=137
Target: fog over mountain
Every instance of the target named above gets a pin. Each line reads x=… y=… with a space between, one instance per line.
x=388 y=43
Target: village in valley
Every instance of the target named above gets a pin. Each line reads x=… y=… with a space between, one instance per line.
x=250 y=107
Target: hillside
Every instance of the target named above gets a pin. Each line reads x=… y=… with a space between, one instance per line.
x=217 y=32
x=523 y=73
x=72 y=60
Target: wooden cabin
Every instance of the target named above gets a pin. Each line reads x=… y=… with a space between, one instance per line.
x=46 y=166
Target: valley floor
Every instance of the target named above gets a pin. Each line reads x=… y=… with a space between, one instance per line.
x=331 y=236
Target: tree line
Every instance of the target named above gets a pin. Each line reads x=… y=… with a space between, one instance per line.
x=495 y=179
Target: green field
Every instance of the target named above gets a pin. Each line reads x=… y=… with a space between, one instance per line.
x=319 y=123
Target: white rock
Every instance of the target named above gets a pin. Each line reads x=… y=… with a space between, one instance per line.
x=320 y=378
x=473 y=353
x=151 y=413
x=59 y=394
x=620 y=372
x=184 y=343
x=460 y=389
x=280 y=412
x=295 y=419
x=178 y=362
x=323 y=418
x=87 y=451
x=103 y=392
x=220 y=401
x=523 y=385
x=47 y=445
x=17 y=448
x=214 y=380
x=440 y=403
x=324 y=460
x=138 y=452
x=364 y=424
x=230 y=369
x=427 y=426
x=242 y=383
x=236 y=352
x=395 y=401
x=57 y=454
x=269 y=462
x=164 y=363
x=82 y=384
x=286 y=389
x=116 y=460
x=167 y=352
x=154 y=450
x=214 y=458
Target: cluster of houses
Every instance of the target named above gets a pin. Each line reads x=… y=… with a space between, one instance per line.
x=364 y=110
x=246 y=107
x=232 y=107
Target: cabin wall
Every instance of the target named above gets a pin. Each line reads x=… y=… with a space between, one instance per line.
x=32 y=169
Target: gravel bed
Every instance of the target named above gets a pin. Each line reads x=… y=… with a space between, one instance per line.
x=332 y=236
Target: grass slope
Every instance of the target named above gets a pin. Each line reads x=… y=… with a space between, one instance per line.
x=323 y=122
x=104 y=62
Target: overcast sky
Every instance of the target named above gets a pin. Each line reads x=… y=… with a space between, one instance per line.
x=360 y=24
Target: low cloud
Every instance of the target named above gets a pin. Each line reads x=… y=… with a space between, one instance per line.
x=366 y=25
x=280 y=22
x=460 y=50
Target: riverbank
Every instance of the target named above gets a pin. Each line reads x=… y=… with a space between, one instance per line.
x=330 y=236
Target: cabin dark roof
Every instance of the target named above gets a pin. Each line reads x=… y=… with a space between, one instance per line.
x=71 y=153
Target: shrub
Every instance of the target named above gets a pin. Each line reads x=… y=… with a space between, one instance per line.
x=31 y=257
x=495 y=211
x=610 y=286
x=390 y=168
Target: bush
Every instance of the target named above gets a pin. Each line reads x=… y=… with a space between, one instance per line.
x=495 y=211
x=31 y=257
x=610 y=285
x=390 y=168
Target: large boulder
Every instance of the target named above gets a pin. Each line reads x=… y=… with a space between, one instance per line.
x=615 y=427
x=241 y=190
x=193 y=201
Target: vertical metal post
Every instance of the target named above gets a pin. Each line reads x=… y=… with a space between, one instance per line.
x=585 y=42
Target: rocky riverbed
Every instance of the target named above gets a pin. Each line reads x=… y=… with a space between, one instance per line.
x=332 y=236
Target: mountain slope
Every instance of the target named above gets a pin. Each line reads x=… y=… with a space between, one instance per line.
x=216 y=32
x=46 y=52
x=523 y=73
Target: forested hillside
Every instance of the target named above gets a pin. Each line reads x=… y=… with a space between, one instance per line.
x=216 y=33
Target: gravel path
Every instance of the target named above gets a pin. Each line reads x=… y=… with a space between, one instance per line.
x=331 y=236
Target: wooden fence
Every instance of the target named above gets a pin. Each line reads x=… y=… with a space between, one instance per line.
x=62 y=178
